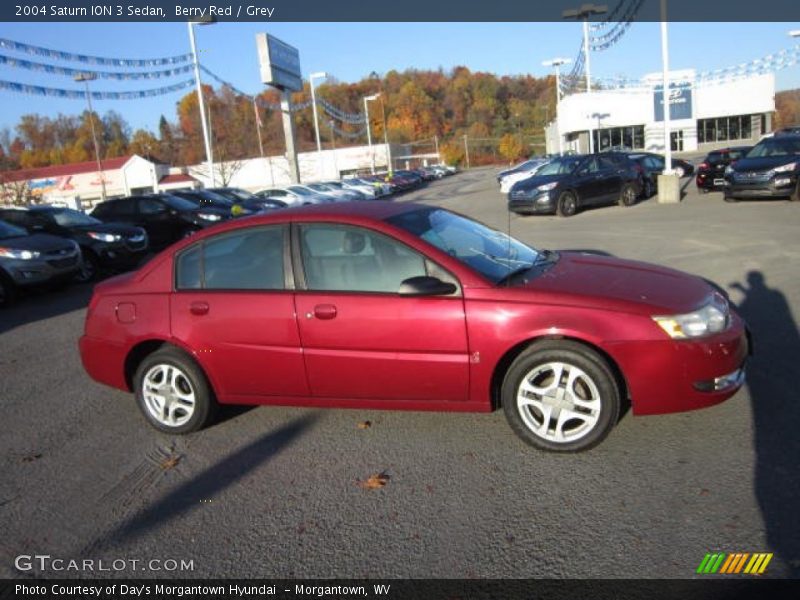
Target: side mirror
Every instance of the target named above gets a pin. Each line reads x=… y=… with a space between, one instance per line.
x=425 y=286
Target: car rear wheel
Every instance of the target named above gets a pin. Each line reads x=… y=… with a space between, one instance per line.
x=567 y=205
x=627 y=195
x=561 y=396
x=173 y=392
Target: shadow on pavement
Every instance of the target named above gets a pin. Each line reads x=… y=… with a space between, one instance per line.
x=36 y=305
x=772 y=381
x=204 y=486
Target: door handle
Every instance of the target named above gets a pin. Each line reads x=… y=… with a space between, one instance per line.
x=198 y=308
x=325 y=311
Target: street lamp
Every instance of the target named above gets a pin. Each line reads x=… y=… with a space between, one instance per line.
x=584 y=12
x=556 y=63
x=311 y=78
x=369 y=132
x=206 y=138
x=331 y=124
x=85 y=78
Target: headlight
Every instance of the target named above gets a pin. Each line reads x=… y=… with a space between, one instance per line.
x=711 y=318
x=19 y=254
x=209 y=216
x=104 y=237
x=547 y=186
x=785 y=168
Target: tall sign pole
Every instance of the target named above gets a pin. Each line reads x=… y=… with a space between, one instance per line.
x=280 y=68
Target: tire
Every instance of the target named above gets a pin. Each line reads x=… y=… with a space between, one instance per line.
x=679 y=171
x=584 y=376
x=648 y=189
x=173 y=393
x=627 y=195
x=567 y=205
x=8 y=291
x=90 y=267
x=795 y=195
x=729 y=198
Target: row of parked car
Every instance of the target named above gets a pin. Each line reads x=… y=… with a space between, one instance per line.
x=565 y=184
x=47 y=245
x=770 y=169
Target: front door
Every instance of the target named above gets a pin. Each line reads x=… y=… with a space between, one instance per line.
x=232 y=308
x=361 y=340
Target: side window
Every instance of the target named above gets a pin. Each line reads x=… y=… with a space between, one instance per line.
x=151 y=206
x=249 y=259
x=342 y=258
x=608 y=163
x=125 y=208
x=16 y=217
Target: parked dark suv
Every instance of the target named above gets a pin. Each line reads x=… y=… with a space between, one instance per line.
x=570 y=183
x=164 y=217
x=711 y=172
x=770 y=170
x=114 y=247
x=653 y=165
x=31 y=260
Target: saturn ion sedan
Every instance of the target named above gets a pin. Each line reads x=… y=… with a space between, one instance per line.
x=404 y=306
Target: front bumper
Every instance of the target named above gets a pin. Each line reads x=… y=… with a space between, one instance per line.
x=120 y=255
x=680 y=375
x=42 y=270
x=541 y=203
x=777 y=186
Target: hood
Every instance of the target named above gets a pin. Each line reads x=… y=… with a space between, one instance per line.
x=537 y=180
x=763 y=163
x=122 y=229
x=39 y=242
x=658 y=290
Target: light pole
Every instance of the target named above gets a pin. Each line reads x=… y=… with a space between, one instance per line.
x=85 y=78
x=369 y=132
x=556 y=63
x=311 y=78
x=584 y=12
x=665 y=90
x=206 y=138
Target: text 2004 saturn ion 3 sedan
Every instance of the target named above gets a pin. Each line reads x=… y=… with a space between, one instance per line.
x=403 y=306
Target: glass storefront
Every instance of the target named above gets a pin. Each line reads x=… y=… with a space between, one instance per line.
x=723 y=129
x=619 y=138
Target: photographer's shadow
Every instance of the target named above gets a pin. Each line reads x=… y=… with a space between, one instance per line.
x=772 y=382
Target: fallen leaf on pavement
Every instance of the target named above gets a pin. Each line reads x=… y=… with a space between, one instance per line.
x=364 y=425
x=375 y=481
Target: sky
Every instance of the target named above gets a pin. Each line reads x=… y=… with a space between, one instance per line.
x=351 y=51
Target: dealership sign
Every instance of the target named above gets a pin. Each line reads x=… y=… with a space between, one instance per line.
x=279 y=63
x=680 y=102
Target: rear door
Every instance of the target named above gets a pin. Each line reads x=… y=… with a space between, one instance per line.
x=234 y=308
x=589 y=183
x=157 y=218
x=361 y=339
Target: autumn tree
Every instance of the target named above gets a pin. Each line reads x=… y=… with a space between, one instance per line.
x=510 y=147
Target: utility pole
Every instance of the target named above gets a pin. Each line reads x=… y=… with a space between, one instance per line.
x=85 y=78
x=466 y=149
x=258 y=128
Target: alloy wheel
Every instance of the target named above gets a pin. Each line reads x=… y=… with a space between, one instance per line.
x=168 y=395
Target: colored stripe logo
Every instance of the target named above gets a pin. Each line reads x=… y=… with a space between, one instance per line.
x=734 y=563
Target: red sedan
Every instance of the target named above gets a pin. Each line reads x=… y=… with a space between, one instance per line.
x=404 y=306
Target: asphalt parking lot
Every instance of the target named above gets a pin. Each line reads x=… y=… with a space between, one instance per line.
x=273 y=492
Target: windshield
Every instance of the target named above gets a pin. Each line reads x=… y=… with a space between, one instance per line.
x=178 y=203
x=775 y=147
x=237 y=193
x=67 y=217
x=10 y=231
x=301 y=191
x=491 y=253
x=560 y=166
x=319 y=187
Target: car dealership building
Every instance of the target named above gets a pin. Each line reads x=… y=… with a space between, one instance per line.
x=704 y=115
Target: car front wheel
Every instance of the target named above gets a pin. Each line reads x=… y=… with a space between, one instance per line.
x=561 y=396
x=173 y=392
x=567 y=205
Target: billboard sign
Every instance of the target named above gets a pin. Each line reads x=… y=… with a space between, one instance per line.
x=680 y=102
x=279 y=63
